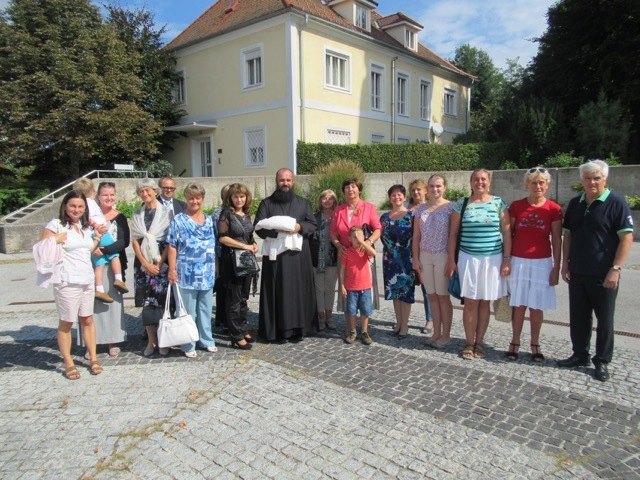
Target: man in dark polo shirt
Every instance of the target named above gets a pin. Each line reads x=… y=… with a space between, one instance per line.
x=598 y=234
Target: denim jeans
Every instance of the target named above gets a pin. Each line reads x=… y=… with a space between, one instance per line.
x=198 y=304
x=359 y=300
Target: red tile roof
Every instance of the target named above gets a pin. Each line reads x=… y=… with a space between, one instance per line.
x=395 y=18
x=228 y=15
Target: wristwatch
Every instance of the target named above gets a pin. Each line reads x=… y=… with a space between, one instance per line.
x=616 y=268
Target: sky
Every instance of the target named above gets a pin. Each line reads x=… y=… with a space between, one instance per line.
x=502 y=28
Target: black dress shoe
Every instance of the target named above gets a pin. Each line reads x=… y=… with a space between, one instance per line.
x=602 y=372
x=295 y=339
x=573 y=361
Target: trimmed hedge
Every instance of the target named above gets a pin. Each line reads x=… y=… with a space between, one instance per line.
x=414 y=157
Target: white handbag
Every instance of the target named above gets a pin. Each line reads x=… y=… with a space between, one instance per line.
x=179 y=330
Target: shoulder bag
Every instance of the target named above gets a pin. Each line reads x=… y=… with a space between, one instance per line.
x=179 y=330
x=455 y=289
x=244 y=262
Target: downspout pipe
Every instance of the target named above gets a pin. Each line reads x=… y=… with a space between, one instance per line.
x=393 y=99
x=301 y=76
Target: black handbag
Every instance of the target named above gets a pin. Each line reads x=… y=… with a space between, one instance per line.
x=244 y=263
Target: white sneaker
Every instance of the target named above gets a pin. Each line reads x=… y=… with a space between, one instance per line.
x=191 y=354
x=212 y=349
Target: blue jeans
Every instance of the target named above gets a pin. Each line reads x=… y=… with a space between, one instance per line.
x=359 y=300
x=198 y=304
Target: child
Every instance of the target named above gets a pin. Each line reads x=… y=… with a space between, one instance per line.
x=355 y=282
x=99 y=223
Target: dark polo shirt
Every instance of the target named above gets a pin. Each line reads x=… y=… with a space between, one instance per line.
x=594 y=232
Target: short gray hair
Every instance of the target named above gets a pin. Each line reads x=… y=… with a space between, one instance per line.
x=194 y=190
x=147 y=183
x=594 y=166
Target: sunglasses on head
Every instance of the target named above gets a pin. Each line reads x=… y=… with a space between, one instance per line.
x=538 y=169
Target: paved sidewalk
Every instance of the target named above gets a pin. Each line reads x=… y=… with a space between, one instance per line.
x=316 y=409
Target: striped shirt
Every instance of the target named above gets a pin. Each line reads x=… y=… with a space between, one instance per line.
x=481 y=235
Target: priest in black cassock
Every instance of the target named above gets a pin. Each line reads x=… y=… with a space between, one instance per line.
x=287 y=292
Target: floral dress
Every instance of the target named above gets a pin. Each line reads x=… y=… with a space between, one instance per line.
x=397 y=270
x=150 y=290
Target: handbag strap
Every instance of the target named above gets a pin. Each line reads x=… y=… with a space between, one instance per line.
x=167 y=303
x=179 y=303
x=464 y=207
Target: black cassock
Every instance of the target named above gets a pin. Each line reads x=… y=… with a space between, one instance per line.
x=287 y=291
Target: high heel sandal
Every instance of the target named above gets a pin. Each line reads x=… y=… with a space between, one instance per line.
x=235 y=344
x=511 y=354
x=536 y=356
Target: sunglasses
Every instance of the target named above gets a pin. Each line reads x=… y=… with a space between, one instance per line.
x=538 y=169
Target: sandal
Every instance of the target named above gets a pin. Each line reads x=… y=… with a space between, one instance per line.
x=511 y=354
x=95 y=368
x=467 y=352
x=478 y=350
x=536 y=356
x=71 y=373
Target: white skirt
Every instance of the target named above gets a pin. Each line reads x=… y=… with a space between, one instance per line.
x=529 y=283
x=480 y=277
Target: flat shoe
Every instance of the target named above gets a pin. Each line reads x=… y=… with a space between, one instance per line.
x=212 y=349
x=104 y=297
x=114 y=351
x=121 y=286
x=71 y=373
x=148 y=351
x=163 y=351
x=95 y=368
x=191 y=354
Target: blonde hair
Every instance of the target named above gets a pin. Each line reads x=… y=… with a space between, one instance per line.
x=194 y=190
x=85 y=186
x=327 y=193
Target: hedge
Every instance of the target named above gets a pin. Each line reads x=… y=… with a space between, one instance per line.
x=414 y=157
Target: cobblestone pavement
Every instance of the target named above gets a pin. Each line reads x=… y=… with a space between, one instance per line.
x=315 y=409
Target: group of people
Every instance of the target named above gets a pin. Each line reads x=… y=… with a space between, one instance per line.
x=495 y=250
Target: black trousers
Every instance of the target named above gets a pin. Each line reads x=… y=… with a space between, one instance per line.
x=586 y=297
x=236 y=309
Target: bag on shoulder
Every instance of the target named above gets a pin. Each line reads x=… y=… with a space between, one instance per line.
x=176 y=331
x=244 y=263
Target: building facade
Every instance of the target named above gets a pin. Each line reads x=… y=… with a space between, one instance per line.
x=257 y=76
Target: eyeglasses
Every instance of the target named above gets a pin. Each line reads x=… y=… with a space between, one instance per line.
x=171 y=189
x=538 y=169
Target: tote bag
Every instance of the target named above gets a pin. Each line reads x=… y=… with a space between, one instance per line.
x=179 y=330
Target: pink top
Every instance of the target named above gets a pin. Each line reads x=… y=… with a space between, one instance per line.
x=357 y=272
x=365 y=213
x=531 y=228
x=434 y=227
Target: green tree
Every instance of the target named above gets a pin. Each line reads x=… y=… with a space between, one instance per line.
x=586 y=51
x=69 y=95
x=602 y=128
x=156 y=70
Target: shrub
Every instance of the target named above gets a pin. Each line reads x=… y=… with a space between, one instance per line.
x=127 y=208
x=331 y=176
x=452 y=194
x=633 y=201
x=563 y=160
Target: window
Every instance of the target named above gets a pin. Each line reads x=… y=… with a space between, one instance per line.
x=252 y=67
x=179 y=89
x=254 y=147
x=402 y=92
x=424 y=100
x=450 y=102
x=206 y=167
x=337 y=70
x=337 y=137
x=377 y=138
x=362 y=17
x=403 y=140
x=410 y=39
x=377 y=88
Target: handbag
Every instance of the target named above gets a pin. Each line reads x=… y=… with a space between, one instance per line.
x=455 y=289
x=502 y=309
x=179 y=330
x=454 y=286
x=244 y=263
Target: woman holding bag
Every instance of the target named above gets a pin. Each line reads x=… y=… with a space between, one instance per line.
x=191 y=257
x=148 y=230
x=235 y=231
